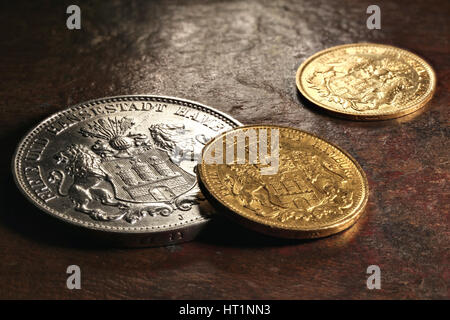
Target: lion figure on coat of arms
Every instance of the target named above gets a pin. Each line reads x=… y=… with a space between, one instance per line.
x=90 y=182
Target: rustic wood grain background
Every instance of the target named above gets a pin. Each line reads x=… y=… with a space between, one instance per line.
x=240 y=57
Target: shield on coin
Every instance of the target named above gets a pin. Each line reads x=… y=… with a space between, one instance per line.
x=147 y=177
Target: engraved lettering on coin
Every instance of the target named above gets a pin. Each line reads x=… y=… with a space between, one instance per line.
x=122 y=164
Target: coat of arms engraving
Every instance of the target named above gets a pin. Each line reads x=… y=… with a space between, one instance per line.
x=363 y=82
x=137 y=173
x=308 y=187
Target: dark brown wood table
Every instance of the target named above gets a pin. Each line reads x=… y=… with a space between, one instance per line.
x=240 y=57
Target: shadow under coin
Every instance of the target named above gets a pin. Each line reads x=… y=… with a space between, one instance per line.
x=221 y=231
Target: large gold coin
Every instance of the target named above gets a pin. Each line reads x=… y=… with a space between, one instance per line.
x=366 y=81
x=311 y=189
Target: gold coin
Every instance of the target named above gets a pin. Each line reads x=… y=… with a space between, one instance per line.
x=366 y=81
x=296 y=186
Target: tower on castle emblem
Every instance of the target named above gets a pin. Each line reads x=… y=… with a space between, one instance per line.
x=139 y=171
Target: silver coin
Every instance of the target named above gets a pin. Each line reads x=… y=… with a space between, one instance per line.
x=124 y=165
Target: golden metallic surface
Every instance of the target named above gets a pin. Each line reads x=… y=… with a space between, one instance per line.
x=366 y=81
x=318 y=190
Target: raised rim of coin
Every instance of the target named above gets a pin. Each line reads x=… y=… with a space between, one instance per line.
x=376 y=114
x=279 y=229
x=25 y=141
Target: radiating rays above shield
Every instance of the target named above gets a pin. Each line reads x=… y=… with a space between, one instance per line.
x=113 y=130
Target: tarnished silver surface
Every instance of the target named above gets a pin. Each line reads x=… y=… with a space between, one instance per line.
x=123 y=165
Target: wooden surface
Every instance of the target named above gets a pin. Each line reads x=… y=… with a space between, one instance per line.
x=240 y=57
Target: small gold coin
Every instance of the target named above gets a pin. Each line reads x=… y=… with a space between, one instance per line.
x=298 y=186
x=366 y=81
